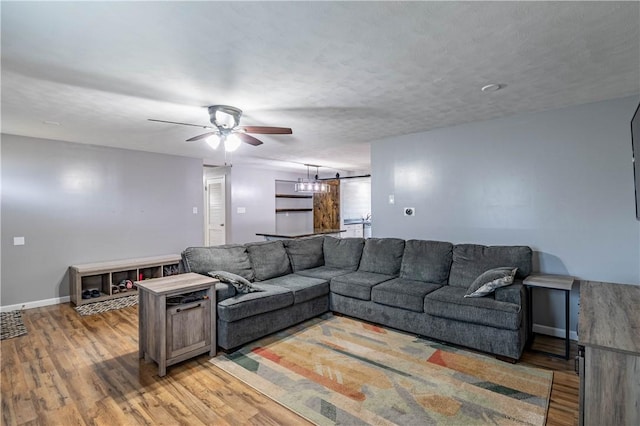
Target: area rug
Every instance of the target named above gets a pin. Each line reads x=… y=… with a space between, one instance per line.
x=11 y=325
x=107 y=305
x=337 y=370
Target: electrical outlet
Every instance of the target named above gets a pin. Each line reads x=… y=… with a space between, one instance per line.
x=409 y=211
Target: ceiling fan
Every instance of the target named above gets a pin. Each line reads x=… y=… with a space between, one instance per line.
x=226 y=120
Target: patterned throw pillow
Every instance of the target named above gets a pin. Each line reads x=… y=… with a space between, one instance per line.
x=241 y=284
x=489 y=280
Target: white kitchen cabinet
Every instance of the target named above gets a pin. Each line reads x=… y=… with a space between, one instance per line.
x=353 y=231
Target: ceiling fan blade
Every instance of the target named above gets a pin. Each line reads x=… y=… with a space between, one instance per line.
x=202 y=136
x=267 y=130
x=182 y=124
x=249 y=139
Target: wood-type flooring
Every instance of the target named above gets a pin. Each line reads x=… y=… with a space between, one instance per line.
x=73 y=370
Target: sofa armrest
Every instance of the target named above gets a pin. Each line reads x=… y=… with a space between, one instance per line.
x=224 y=291
x=514 y=293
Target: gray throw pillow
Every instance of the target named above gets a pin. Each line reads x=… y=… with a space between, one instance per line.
x=241 y=284
x=489 y=280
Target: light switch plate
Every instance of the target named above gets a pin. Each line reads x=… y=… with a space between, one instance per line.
x=242 y=210
x=18 y=241
x=392 y=199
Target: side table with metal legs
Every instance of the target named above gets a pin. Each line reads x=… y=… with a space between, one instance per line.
x=550 y=282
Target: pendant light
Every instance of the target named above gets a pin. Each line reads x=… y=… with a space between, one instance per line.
x=312 y=185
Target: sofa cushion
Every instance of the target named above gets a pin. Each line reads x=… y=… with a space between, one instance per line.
x=449 y=302
x=303 y=288
x=357 y=284
x=471 y=260
x=490 y=280
x=428 y=261
x=342 y=253
x=244 y=305
x=240 y=284
x=402 y=293
x=269 y=259
x=305 y=253
x=231 y=258
x=382 y=256
x=323 y=272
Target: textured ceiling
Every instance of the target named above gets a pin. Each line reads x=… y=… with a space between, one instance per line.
x=341 y=74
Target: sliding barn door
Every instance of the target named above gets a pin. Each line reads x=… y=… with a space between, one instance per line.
x=326 y=208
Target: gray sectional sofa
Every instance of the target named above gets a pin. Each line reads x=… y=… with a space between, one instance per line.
x=416 y=286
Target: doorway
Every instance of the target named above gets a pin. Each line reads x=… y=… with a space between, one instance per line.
x=215 y=211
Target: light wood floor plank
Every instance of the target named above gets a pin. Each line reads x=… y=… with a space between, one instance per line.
x=75 y=370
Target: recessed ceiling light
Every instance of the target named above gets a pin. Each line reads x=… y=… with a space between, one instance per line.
x=51 y=123
x=493 y=87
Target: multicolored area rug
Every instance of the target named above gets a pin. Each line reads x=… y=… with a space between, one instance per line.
x=337 y=370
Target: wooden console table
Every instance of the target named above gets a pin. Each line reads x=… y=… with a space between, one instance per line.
x=609 y=339
x=171 y=333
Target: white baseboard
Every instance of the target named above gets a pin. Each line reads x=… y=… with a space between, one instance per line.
x=555 y=332
x=35 y=304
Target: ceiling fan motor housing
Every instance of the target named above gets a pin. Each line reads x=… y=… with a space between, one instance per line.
x=224 y=116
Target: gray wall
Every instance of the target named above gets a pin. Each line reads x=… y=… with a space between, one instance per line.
x=255 y=190
x=559 y=181
x=77 y=203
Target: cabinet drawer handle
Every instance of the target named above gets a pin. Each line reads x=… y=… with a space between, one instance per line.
x=189 y=308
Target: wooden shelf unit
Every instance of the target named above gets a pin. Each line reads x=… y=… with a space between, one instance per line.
x=102 y=275
x=293 y=196
x=293 y=210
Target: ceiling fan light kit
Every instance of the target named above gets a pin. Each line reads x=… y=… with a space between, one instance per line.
x=226 y=120
x=213 y=141
x=231 y=143
x=224 y=116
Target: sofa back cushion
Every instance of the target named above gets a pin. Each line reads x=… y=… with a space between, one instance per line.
x=305 y=253
x=471 y=260
x=231 y=258
x=428 y=261
x=382 y=256
x=269 y=259
x=342 y=253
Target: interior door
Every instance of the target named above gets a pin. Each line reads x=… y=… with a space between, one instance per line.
x=215 y=212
